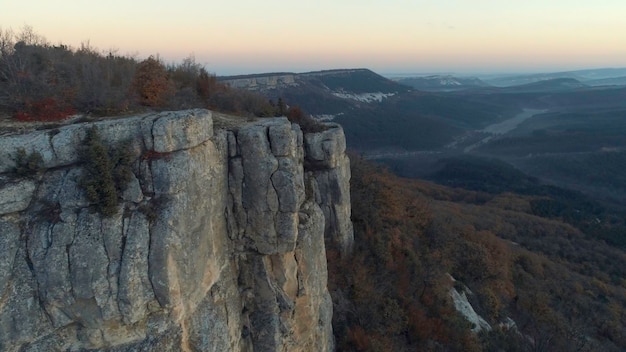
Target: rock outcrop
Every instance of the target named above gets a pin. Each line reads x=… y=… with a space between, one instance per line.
x=218 y=242
x=262 y=82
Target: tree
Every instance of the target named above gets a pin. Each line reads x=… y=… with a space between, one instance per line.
x=207 y=85
x=151 y=83
x=185 y=74
x=37 y=81
x=282 y=108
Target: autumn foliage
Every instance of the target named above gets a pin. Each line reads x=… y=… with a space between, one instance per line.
x=415 y=241
x=47 y=109
x=151 y=83
x=44 y=82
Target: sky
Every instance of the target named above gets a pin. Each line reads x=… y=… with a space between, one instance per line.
x=390 y=37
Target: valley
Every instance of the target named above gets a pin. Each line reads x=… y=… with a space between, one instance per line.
x=553 y=128
x=511 y=124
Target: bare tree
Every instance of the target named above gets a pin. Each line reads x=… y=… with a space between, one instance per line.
x=28 y=36
x=7 y=42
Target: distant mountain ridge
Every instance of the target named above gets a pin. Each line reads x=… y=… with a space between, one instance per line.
x=378 y=113
x=442 y=83
x=261 y=82
x=358 y=80
x=613 y=81
x=548 y=85
x=374 y=110
x=590 y=76
x=321 y=93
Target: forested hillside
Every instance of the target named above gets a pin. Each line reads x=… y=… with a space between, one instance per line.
x=540 y=283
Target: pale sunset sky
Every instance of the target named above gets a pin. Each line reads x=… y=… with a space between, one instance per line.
x=391 y=36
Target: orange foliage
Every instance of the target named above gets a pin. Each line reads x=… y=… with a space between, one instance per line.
x=359 y=338
x=47 y=110
x=424 y=327
x=151 y=83
x=394 y=291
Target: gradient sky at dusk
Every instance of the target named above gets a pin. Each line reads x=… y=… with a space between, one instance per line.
x=391 y=36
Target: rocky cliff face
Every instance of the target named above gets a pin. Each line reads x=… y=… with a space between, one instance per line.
x=263 y=82
x=218 y=242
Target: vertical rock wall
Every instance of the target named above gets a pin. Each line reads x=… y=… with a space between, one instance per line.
x=218 y=243
x=329 y=169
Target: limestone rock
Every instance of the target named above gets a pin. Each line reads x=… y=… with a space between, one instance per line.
x=282 y=141
x=313 y=302
x=218 y=243
x=330 y=183
x=133 y=192
x=462 y=305
x=135 y=289
x=9 y=241
x=22 y=319
x=325 y=148
x=175 y=131
x=272 y=186
x=15 y=196
x=37 y=141
x=188 y=238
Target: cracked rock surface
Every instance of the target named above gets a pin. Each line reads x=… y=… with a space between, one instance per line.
x=218 y=242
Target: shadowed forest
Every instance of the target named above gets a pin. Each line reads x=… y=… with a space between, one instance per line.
x=415 y=241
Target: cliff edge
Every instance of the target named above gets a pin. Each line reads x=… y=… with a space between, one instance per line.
x=217 y=241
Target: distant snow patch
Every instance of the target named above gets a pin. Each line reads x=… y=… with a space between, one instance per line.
x=326 y=117
x=448 y=81
x=364 y=97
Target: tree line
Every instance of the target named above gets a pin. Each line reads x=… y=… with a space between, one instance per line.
x=40 y=81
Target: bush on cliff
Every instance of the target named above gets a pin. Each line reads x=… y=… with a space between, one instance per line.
x=27 y=165
x=306 y=122
x=106 y=172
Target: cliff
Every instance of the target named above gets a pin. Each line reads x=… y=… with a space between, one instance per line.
x=262 y=82
x=218 y=242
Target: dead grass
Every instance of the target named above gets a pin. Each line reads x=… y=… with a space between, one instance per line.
x=225 y=121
